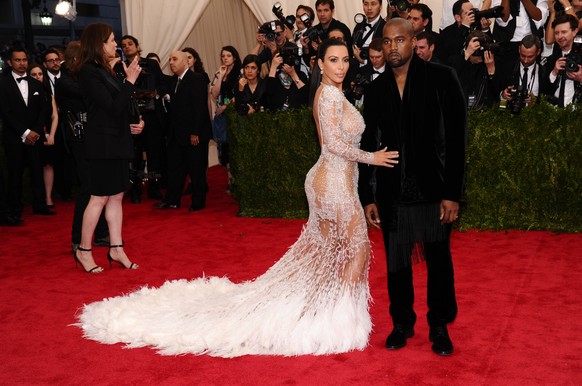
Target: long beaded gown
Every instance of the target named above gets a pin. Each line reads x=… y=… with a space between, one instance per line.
x=314 y=300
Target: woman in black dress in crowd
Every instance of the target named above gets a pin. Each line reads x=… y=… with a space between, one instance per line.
x=222 y=90
x=251 y=87
x=50 y=129
x=108 y=143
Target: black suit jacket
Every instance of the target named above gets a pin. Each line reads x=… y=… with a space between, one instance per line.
x=107 y=99
x=428 y=128
x=452 y=43
x=548 y=88
x=17 y=116
x=189 y=109
x=358 y=33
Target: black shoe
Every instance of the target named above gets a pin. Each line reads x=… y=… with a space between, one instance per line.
x=163 y=205
x=441 y=343
x=111 y=259
x=398 y=336
x=44 y=212
x=195 y=208
x=10 y=220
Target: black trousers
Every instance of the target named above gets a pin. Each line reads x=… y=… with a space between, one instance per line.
x=186 y=160
x=82 y=197
x=18 y=156
x=441 y=300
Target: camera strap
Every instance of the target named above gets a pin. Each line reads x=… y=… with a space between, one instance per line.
x=370 y=32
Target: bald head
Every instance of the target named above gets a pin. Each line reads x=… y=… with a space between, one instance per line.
x=178 y=62
x=400 y=23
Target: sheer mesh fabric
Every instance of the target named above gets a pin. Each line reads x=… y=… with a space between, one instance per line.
x=314 y=300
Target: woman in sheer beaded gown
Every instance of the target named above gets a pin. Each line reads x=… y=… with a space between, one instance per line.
x=314 y=300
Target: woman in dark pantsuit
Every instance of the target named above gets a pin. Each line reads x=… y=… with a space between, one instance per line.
x=108 y=143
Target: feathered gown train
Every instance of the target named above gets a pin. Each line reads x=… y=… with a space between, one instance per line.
x=314 y=300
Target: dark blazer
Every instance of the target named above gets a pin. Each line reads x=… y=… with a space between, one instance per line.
x=358 y=33
x=107 y=99
x=428 y=128
x=17 y=116
x=189 y=109
x=452 y=43
x=548 y=88
x=512 y=77
x=336 y=24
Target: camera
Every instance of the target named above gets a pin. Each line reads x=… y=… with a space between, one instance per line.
x=517 y=101
x=310 y=33
x=290 y=55
x=289 y=21
x=485 y=43
x=401 y=5
x=574 y=58
x=490 y=13
x=356 y=91
x=268 y=29
x=359 y=18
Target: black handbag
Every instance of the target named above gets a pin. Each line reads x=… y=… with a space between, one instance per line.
x=75 y=123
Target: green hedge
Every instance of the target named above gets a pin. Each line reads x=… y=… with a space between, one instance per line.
x=523 y=172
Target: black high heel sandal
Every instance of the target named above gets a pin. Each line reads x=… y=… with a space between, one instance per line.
x=111 y=259
x=95 y=269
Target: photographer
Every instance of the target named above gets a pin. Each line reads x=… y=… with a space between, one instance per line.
x=447 y=17
x=286 y=87
x=558 y=8
x=454 y=36
x=518 y=19
x=325 y=10
x=150 y=84
x=367 y=30
x=249 y=97
x=420 y=15
x=562 y=84
x=367 y=74
x=425 y=46
x=477 y=71
x=271 y=38
x=522 y=86
x=304 y=17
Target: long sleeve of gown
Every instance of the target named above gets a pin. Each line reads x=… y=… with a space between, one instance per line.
x=335 y=138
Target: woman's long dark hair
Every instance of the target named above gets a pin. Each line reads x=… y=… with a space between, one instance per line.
x=237 y=63
x=198 y=64
x=91 y=50
x=316 y=72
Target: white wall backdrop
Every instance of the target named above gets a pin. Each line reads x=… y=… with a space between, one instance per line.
x=206 y=25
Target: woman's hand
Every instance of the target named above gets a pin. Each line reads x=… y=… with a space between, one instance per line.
x=132 y=71
x=385 y=158
x=242 y=82
x=50 y=140
x=136 y=128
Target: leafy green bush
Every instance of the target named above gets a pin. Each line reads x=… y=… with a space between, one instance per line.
x=523 y=172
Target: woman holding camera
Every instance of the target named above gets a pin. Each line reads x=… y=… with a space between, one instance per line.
x=108 y=143
x=251 y=87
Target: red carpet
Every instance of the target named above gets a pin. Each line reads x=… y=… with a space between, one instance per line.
x=518 y=293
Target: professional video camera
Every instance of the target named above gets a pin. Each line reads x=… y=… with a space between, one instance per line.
x=356 y=91
x=490 y=13
x=290 y=55
x=289 y=20
x=268 y=29
x=359 y=18
x=574 y=58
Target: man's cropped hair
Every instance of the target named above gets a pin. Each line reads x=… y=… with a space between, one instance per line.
x=458 y=7
x=429 y=36
x=566 y=18
x=424 y=10
x=324 y=2
x=531 y=40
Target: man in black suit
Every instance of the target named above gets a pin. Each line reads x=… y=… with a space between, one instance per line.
x=562 y=82
x=23 y=108
x=454 y=37
x=370 y=28
x=418 y=109
x=325 y=10
x=526 y=75
x=189 y=134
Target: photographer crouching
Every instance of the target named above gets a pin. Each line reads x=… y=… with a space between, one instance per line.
x=521 y=86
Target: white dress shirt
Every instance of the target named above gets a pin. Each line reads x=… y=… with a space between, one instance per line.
x=522 y=26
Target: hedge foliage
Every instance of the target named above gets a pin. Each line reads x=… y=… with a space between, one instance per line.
x=523 y=171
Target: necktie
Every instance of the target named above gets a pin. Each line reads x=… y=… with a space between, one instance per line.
x=524 y=79
x=21 y=79
x=562 y=89
x=177 y=84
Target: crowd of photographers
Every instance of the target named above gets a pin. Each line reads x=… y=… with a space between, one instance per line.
x=506 y=53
